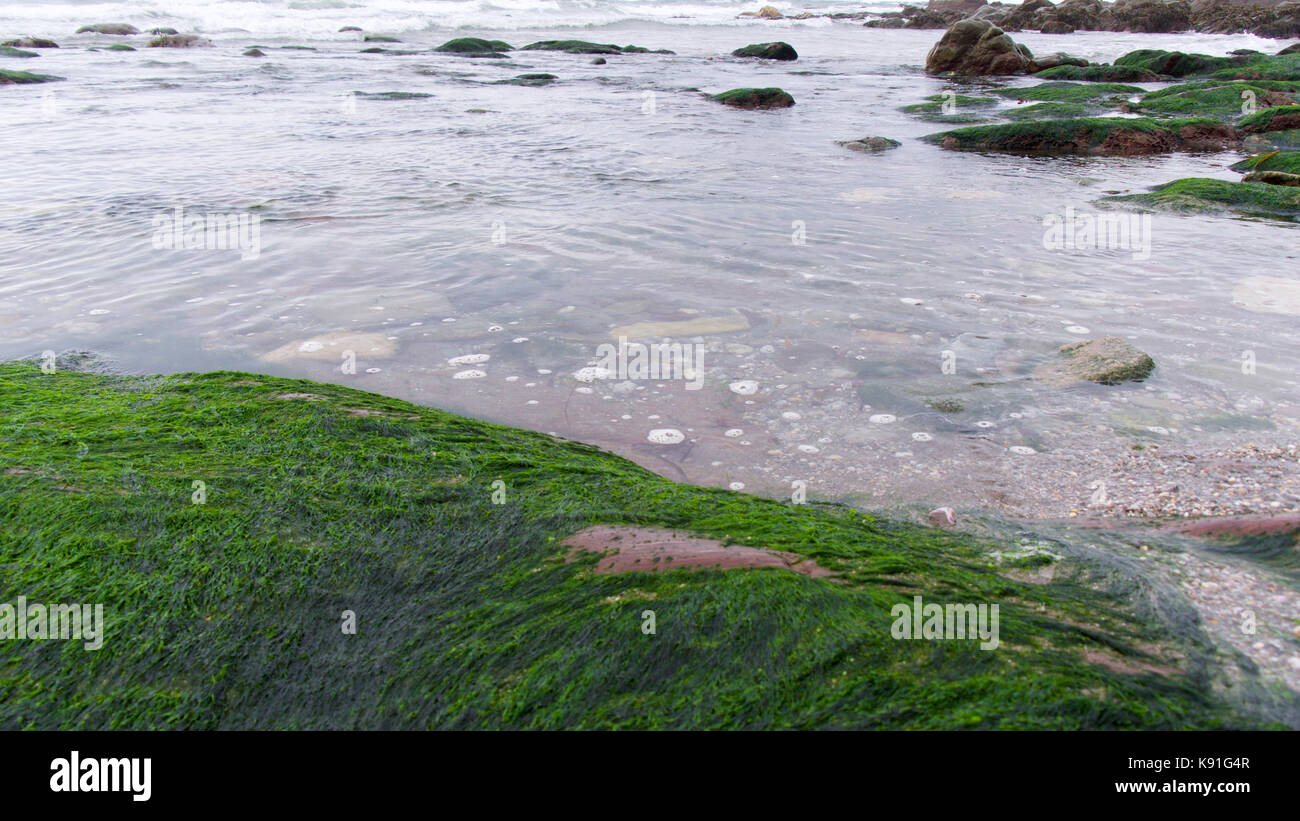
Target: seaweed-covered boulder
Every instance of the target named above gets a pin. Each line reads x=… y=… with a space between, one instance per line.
x=1054 y=26
x=349 y=28
x=754 y=98
x=1180 y=64
x=31 y=42
x=120 y=47
x=529 y=80
x=1059 y=59
x=24 y=78
x=10 y=51
x=574 y=47
x=1284 y=161
x=977 y=47
x=178 y=41
x=1098 y=136
x=869 y=145
x=1273 y=178
x=1198 y=195
x=768 y=51
x=254 y=52
x=1225 y=100
x=1046 y=111
x=1100 y=73
x=119 y=29
x=952 y=108
x=473 y=45
x=163 y=30
x=1107 y=361
x=1064 y=92
x=1278 y=118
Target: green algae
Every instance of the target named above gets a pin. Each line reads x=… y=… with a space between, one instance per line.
x=320 y=499
x=473 y=45
x=1195 y=195
x=1213 y=99
x=1100 y=73
x=1044 y=111
x=1064 y=92
x=1080 y=135
x=1285 y=161
x=25 y=77
x=947 y=108
x=1278 y=118
x=753 y=98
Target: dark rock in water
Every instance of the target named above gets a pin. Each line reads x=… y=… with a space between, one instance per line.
x=298 y=48
x=31 y=42
x=599 y=61
x=1096 y=136
x=529 y=80
x=254 y=52
x=871 y=145
x=373 y=50
x=24 y=77
x=886 y=23
x=1152 y=16
x=1107 y=361
x=1178 y=64
x=121 y=47
x=1025 y=16
x=164 y=31
x=644 y=50
x=977 y=47
x=768 y=51
x=1056 y=27
x=178 y=41
x=392 y=95
x=121 y=29
x=1291 y=49
x=10 y=51
x=349 y=28
x=755 y=98
x=381 y=38
x=1273 y=178
x=574 y=47
x=473 y=45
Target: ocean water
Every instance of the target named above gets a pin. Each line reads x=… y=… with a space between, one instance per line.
x=869 y=324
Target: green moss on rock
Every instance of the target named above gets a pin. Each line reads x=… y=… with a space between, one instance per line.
x=1100 y=73
x=937 y=107
x=1285 y=161
x=1091 y=135
x=1045 y=111
x=1202 y=195
x=574 y=47
x=473 y=45
x=1063 y=92
x=319 y=499
x=24 y=77
x=768 y=51
x=1225 y=100
x=10 y=51
x=754 y=98
x=1279 y=118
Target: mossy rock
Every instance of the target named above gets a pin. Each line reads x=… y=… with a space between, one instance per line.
x=643 y=50
x=121 y=47
x=24 y=77
x=380 y=38
x=1106 y=361
x=10 y=51
x=1210 y=196
x=393 y=95
x=1063 y=92
x=473 y=45
x=1285 y=161
x=1100 y=73
x=529 y=80
x=30 y=42
x=1118 y=136
x=225 y=611
x=754 y=98
x=1213 y=98
x=870 y=145
x=574 y=47
x=1268 y=68
x=768 y=51
x=1045 y=111
x=254 y=52
x=1179 y=64
x=119 y=29
x=1273 y=178
x=1287 y=140
x=1279 y=118
x=965 y=108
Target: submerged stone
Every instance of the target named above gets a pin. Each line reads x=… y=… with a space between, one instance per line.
x=1099 y=136
x=1211 y=196
x=121 y=29
x=768 y=51
x=473 y=45
x=24 y=77
x=1107 y=361
x=754 y=98
x=873 y=145
x=31 y=42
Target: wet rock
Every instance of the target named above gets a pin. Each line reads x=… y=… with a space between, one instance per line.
x=1278 y=118
x=1107 y=361
x=1102 y=73
x=980 y=48
x=944 y=517
x=1209 y=196
x=529 y=80
x=1152 y=16
x=254 y=52
x=1056 y=27
x=10 y=51
x=473 y=45
x=1059 y=59
x=178 y=41
x=1273 y=178
x=872 y=145
x=31 y=42
x=380 y=38
x=768 y=51
x=24 y=77
x=1096 y=136
x=766 y=12
x=349 y=28
x=120 y=29
x=574 y=47
x=599 y=61
x=120 y=47
x=1294 y=48
x=755 y=98
x=164 y=30
x=1025 y=15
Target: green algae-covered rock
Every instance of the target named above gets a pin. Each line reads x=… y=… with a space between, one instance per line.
x=754 y=98
x=473 y=45
x=380 y=38
x=1285 y=161
x=119 y=29
x=869 y=145
x=224 y=610
x=10 y=51
x=1100 y=73
x=952 y=108
x=529 y=80
x=1273 y=178
x=1213 y=98
x=1279 y=118
x=574 y=47
x=1045 y=111
x=977 y=47
x=1210 y=196
x=768 y=51
x=1064 y=92
x=120 y=47
x=393 y=95
x=24 y=77
x=1122 y=136
x=1179 y=64
x=31 y=42
x=1107 y=361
